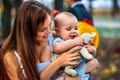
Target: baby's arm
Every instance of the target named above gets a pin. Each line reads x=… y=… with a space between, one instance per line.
x=60 y=47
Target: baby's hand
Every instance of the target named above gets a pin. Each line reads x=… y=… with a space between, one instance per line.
x=91 y=49
x=79 y=41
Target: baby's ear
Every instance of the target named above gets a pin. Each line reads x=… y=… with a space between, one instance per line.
x=93 y=34
x=57 y=31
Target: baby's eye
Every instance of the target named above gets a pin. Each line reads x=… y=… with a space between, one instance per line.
x=76 y=28
x=68 y=29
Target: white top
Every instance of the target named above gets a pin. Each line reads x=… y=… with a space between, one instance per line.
x=20 y=63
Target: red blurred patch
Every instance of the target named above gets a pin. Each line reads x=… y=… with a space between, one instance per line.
x=88 y=21
x=55 y=12
x=117 y=50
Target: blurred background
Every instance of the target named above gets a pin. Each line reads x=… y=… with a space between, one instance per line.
x=106 y=16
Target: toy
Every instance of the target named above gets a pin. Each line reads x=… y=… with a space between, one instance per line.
x=84 y=27
x=87 y=38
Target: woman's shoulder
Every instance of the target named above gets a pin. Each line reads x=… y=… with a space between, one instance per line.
x=10 y=58
x=8 y=54
x=11 y=64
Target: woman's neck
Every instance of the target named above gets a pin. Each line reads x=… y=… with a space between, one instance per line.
x=41 y=46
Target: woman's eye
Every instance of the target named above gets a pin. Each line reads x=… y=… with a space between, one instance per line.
x=42 y=30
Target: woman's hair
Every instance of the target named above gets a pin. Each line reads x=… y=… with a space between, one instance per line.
x=77 y=0
x=22 y=38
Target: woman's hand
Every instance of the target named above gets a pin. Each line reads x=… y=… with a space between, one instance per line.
x=68 y=57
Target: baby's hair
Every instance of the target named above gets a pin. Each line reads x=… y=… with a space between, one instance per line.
x=59 y=18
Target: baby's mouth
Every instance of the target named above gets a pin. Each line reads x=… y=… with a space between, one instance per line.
x=73 y=36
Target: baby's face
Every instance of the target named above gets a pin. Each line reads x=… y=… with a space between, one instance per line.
x=69 y=28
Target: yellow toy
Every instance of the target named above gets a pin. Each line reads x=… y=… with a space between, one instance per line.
x=85 y=27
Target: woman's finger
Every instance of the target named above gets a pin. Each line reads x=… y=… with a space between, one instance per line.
x=74 y=49
x=74 y=63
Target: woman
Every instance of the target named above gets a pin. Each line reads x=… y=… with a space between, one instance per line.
x=27 y=45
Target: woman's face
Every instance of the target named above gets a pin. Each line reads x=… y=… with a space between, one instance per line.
x=43 y=30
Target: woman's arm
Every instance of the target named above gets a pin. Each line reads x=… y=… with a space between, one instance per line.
x=91 y=65
x=11 y=65
x=64 y=59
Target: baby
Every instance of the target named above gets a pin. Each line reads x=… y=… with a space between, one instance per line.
x=66 y=27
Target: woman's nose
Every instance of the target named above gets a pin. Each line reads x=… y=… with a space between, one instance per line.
x=49 y=30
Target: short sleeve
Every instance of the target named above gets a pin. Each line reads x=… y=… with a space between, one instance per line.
x=57 y=40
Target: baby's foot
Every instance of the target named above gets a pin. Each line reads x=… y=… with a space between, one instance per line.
x=70 y=72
